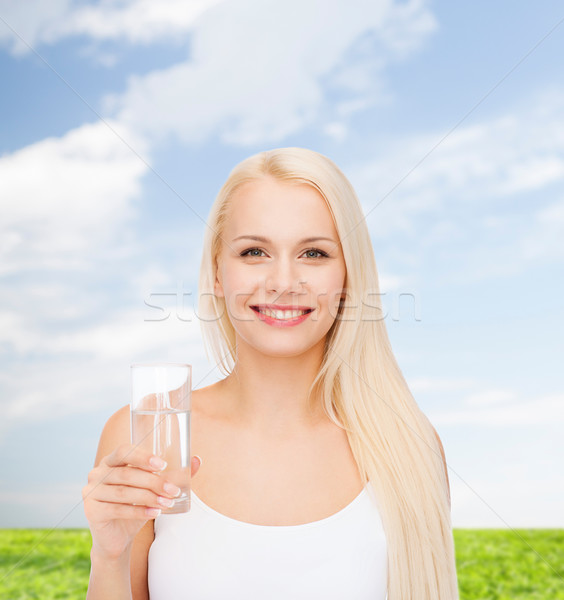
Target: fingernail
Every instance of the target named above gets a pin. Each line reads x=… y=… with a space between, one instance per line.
x=157 y=463
x=168 y=502
x=196 y=456
x=152 y=512
x=171 y=489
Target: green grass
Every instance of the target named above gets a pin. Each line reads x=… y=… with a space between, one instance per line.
x=44 y=564
x=492 y=564
x=506 y=565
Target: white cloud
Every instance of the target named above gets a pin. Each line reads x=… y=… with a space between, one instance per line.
x=68 y=331
x=490 y=397
x=137 y=21
x=127 y=333
x=393 y=283
x=336 y=130
x=28 y=23
x=61 y=198
x=498 y=408
x=544 y=238
x=529 y=499
x=432 y=385
x=60 y=506
x=476 y=163
x=85 y=368
x=257 y=73
x=473 y=203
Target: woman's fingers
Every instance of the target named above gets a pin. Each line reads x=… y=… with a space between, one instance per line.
x=195 y=464
x=108 y=501
x=128 y=454
x=103 y=512
x=137 y=478
x=128 y=484
x=123 y=494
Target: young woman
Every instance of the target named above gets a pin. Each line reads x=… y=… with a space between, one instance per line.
x=319 y=476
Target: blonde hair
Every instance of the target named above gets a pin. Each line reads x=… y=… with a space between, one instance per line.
x=360 y=383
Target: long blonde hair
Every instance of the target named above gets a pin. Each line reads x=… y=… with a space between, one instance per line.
x=360 y=383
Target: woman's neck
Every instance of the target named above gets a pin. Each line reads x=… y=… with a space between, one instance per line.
x=270 y=395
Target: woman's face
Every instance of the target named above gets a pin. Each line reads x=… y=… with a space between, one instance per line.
x=281 y=268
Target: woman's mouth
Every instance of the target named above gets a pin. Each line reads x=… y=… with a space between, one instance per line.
x=282 y=316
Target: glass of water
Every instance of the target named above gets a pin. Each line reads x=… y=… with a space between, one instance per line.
x=160 y=421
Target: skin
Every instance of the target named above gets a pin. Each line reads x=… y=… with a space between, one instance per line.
x=271 y=457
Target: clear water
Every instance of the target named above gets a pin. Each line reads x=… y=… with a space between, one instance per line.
x=167 y=434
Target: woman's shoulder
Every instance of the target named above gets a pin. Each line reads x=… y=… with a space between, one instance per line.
x=119 y=419
x=116 y=431
x=119 y=423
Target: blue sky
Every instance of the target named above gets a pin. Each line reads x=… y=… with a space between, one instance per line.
x=122 y=119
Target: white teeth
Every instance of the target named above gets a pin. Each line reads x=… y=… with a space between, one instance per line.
x=282 y=315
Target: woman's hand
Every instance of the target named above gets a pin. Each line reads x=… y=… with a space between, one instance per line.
x=124 y=491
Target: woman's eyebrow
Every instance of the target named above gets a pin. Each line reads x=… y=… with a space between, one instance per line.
x=259 y=238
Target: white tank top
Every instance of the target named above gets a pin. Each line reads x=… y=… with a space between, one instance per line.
x=205 y=555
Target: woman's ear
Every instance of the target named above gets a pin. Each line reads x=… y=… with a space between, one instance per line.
x=217 y=286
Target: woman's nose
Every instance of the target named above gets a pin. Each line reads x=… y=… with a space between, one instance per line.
x=284 y=277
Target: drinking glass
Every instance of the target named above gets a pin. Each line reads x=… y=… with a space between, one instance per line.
x=160 y=421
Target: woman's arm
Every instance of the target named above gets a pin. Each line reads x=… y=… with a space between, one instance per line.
x=123 y=576
x=124 y=494
x=139 y=562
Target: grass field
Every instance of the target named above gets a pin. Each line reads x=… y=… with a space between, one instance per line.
x=492 y=564
x=506 y=565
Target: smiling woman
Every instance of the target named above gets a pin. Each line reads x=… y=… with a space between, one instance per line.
x=321 y=477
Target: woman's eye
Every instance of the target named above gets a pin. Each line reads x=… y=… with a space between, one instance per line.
x=311 y=253
x=314 y=253
x=254 y=252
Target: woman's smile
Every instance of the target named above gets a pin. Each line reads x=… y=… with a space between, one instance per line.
x=281 y=316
